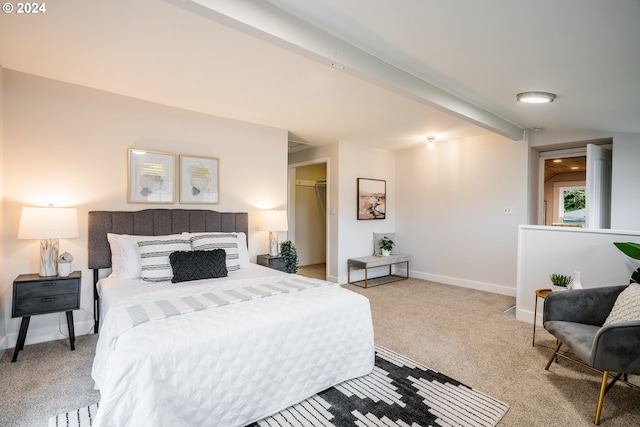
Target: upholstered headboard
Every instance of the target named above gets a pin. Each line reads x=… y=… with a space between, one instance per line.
x=155 y=222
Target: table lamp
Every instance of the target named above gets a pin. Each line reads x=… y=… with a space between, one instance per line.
x=48 y=225
x=273 y=221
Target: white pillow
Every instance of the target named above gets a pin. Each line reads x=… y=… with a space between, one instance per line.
x=116 y=256
x=154 y=257
x=243 y=250
x=129 y=262
x=213 y=240
x=626 y=307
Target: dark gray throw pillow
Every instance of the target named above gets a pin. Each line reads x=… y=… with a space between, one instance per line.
x=195 y=265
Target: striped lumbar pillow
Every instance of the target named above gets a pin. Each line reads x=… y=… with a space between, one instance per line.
x=226 y=241
x=154 y=258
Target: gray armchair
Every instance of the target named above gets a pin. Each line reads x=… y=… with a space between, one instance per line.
x=576 y=317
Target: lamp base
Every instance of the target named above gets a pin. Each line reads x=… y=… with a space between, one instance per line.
x=273 y=244
x=49 y=257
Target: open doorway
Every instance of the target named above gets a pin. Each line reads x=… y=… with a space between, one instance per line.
x=565 y=181
x=308 y=216
x=576 y=187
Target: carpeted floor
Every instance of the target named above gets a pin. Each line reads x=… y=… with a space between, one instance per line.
x=462 y=333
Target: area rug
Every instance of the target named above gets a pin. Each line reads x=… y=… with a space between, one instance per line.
x=399 y=392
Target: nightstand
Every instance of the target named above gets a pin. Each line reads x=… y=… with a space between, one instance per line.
x=34 y=294
x=275 y=262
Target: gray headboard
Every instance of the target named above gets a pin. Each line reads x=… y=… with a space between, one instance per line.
x=155 y=222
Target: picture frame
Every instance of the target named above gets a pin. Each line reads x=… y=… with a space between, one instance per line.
x=372 y=198
x=199 y=179
x=150 y=176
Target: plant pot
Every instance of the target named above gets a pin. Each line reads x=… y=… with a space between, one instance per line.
x=64 y=269
x=385 y=253
x=556 y=288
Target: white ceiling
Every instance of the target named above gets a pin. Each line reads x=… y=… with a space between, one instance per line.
x=482 y=53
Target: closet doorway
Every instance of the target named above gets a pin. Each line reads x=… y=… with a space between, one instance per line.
x=308 y=216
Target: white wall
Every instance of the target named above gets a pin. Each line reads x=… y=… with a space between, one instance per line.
x=67 y=145
x=450 y=211
x=625 y=182
x=546 y=250
x=355 y=237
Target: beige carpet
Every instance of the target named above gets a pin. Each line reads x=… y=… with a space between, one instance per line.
x=459 y=332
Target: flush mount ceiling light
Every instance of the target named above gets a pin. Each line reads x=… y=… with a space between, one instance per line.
x=536 y=97
x=431 y=141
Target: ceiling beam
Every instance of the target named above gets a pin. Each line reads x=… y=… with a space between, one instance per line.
x=269 y=23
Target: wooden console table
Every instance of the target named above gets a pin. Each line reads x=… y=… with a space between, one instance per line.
x=376 y=261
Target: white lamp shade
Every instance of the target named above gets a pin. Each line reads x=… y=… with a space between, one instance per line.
x=48 y=223
x=273 y=220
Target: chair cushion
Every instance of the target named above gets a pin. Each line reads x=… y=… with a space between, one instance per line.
x=577 y=336
x=626 y=307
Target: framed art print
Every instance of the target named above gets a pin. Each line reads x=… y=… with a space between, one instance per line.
x=151 y=177
x=372 y=198
x=199 y=179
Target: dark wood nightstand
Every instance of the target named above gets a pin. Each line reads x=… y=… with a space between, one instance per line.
x=275 y=262
x=33 y=294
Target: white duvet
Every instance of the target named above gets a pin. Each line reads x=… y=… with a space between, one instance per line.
x=230 y=365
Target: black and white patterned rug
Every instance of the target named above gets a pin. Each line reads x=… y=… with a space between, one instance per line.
x=399 y=392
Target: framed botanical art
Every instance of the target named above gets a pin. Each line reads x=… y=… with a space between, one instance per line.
x=372 y=198
x=151 y=177
x=199 y=179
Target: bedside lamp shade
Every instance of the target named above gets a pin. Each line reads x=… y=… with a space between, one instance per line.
x=48 y=225
x=273 y=221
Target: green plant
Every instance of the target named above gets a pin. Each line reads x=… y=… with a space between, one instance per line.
x=560 y=279
x=290 y=256
x=632 y=250
x=386 y=244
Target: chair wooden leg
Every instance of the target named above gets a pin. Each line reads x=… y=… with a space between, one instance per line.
x=603 y=388
x=546 y=368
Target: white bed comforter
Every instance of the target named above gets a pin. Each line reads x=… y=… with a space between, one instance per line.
x=230 y=365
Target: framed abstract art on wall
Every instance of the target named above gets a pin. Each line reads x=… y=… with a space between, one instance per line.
x=199 y=179
x=151 y=176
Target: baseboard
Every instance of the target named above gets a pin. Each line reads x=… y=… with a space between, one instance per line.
x=464 y=283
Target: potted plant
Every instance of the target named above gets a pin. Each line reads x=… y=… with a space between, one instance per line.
x=290 y=256
x=386 y=245
x=64 y=264
x=632 y=250
x=560 y=281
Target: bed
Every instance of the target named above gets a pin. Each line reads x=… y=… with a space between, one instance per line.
x=229 y=350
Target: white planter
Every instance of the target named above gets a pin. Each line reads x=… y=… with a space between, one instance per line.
x=64 y=269
x=556 y=288
x=385 y=253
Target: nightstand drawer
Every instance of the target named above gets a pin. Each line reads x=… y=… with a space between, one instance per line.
x=278 y=264
x=46 y=288
x=45 y=304
x=275 y=262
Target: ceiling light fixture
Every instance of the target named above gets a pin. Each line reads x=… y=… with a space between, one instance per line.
x=536 y=97
x=431 y=142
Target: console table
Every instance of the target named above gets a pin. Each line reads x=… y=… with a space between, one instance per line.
x=376 y=261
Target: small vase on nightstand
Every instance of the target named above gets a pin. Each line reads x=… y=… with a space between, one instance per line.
x=64 y=269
